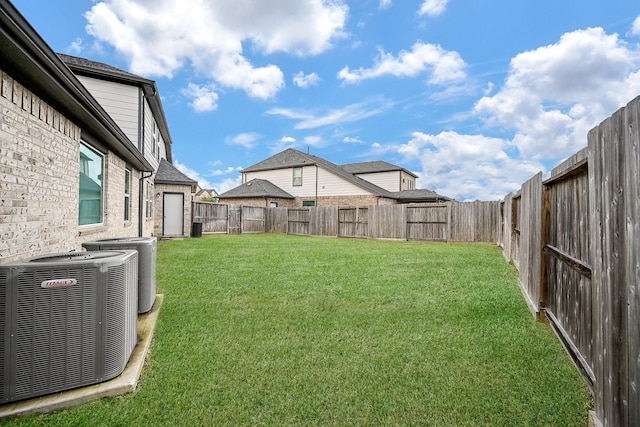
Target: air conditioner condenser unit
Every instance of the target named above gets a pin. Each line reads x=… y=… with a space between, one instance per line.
x=66 y=320
x=147 y=248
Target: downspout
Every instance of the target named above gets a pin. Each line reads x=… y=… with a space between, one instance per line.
x=141 y=200
x=316 y=202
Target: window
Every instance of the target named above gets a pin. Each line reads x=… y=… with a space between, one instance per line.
x=127 y=194
x=91 y=186
x=149 y=201
x=308 y=203
x=297 y=177
x=273 y=204
x=154 y=135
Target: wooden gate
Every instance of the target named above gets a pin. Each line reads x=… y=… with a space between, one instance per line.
x=428 y=222
x=235 y=219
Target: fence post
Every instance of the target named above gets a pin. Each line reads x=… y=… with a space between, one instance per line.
x=545 y=259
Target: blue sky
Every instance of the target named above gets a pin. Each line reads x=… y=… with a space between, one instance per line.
x=474 y=97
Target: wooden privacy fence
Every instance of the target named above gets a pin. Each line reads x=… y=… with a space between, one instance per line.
x=575 y=239
x=229 y=219
x=451 y=221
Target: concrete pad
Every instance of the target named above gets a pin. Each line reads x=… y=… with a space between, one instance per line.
x=125 y=383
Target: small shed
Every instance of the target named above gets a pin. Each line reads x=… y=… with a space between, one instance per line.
x=173 y=191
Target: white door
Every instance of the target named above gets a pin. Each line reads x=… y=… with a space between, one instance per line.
x=173 y=211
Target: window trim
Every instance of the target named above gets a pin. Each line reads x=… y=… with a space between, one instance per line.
x=297 y=180
x=148 y=202
x=127 y=193
x=102 y=183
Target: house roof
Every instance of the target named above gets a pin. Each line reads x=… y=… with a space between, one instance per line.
x=99 y=70
x=256 y=188
x=26 y=56
x=168 y=174
x=373 y=167
x=210 y=191
x=291 y=158
x=420 y=195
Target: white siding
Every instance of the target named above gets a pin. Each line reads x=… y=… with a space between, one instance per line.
x=329 y=184
x=153 y=149
x=390 y=181
x=119 y=100
x=334 y=185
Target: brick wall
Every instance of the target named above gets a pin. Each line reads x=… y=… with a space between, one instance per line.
x=39 y=180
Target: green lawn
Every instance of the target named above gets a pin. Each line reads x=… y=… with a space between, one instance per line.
x=287 y=330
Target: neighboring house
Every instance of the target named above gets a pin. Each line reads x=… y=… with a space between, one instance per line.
x=134 y=103
x=293 y=178
x=206 y=194
x=69 y=172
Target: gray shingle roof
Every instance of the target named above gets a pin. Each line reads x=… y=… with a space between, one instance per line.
x=83 y=64
x=256 y=188
x=375 y=166
x=420 y=195
x=168 y=174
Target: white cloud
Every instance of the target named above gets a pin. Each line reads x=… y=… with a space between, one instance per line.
x=203 y=98
x=352 y=140
x=226 y=184
x=313 y=140
x=227 y=171
x=444 y=66
x=288 y=139
x=76 y=46
x=202 y=182
x=161 y=38
x=350 y=113
x=433 y=7
x=467 y=167
x=385 y=4
x=635 y=28
x=246 y=139
x=555 y=94
x=304 y=81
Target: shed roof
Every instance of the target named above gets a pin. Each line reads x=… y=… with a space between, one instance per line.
x=168 y=174
x=256 y=188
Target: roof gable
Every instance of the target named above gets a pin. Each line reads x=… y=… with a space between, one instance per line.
x=102 y=71
x=374 y=167
x=168 y=174
x=256 y=188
